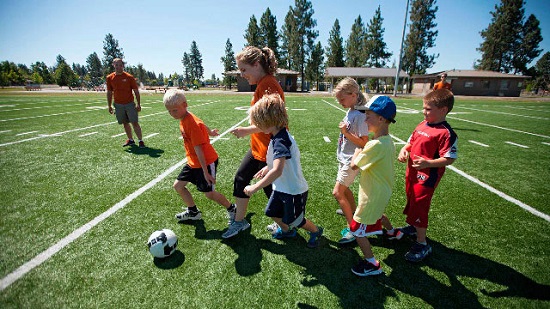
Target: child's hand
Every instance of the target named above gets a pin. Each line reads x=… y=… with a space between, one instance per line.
x=261 y=173
x=419 y=163
x=239 y=132
x=249 y=190
x=209 y=178
x=214 y=132
x=343 y=127
x=403 y=155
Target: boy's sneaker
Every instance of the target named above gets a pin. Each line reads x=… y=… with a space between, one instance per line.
x=396 y=235
x=339 y=211
x=347 y=236
x=314 y=237
x=408 y=230
x=365 y=268
x=189 y=215
x=141 y=144
x=272 y=228
x=374 y=229
x=231 y=214
x=129 y=142
x=280 y=234
x=235 y=228
x=418 y=252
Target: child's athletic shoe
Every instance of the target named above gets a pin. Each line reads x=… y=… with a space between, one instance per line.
x=408 y=230
x=347 y=236
x=280 y=234
x=396 y=235
x=374 y=229
x=314 y=237
x=235 y=228
x=189 y=215
x=272 y=228
x=418 y=252
x=141 y=144
x=365 y=268
x=129 y=142
x=231 y=214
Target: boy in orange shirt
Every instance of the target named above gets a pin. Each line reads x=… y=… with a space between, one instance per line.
x=202 y=159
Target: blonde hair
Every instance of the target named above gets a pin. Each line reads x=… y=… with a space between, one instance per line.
x=174 y=97
x=348 y=85
x=269 y=111
x=265 y=56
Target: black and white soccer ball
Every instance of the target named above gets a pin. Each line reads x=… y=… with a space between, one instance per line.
x=162 y=243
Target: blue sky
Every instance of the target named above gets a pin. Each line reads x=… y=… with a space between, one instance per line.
x=156 y=34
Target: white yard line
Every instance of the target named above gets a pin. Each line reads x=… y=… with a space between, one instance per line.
x=45 y=255
x=517 y=145
x=326 y=139
x=502 y=128
x=88 y=134
x=478 y=143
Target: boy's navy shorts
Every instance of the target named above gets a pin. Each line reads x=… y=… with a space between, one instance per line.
x=291 y=208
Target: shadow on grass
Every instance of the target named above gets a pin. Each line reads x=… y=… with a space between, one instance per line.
x=173 y=261
x=152 y=152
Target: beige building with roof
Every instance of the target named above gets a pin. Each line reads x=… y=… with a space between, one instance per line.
x=473 y=83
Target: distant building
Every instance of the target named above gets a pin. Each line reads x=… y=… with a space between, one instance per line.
x=386 y=75
x=287 y=79
x=473 y=83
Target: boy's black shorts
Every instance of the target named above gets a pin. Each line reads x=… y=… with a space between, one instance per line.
x=196 y=176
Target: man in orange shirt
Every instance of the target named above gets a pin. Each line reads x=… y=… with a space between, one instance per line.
x=120 y=85
x=442 y=84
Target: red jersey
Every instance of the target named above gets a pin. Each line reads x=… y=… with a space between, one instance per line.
x=194 y=131
x=259 y=141
x=121 y=86
x=431 y=141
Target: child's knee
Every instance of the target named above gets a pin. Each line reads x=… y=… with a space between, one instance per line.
x=178 y=185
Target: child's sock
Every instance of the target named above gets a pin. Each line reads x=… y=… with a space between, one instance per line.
x=231 y=207
x=372 y=260
x=390 y=232
x=193 y=209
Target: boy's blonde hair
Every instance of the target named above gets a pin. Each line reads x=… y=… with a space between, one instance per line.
x=174 y=97
x=348 y=85
x=441 y=98
x=269 y=111
x=265 y=56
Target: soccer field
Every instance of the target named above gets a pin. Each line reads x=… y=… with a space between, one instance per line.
x=77 y=209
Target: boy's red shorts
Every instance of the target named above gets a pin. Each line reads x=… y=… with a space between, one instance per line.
x=419 y=199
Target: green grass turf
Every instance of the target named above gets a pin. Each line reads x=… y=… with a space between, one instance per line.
x=488 y=252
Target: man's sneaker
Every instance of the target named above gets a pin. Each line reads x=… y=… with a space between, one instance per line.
x=235 y=228
x=141 y=144
x=374 y=229
x=272 y=228
x=418 y=252
x=408 y=230
x=396 y=235
x=280 y=234
x=339 y=211
x=231 y=214
x=365 y=268
x=129 y=142
x=314 y=237
x=347 y=236
x=189 y=215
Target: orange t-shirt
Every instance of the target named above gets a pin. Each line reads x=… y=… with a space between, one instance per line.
x=121 y=86
x=259 y=141
x=194 y=131
x=442 y=85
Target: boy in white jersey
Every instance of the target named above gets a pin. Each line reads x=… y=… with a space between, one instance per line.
x=287 y=204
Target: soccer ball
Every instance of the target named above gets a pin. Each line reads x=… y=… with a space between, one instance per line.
x=162 y=243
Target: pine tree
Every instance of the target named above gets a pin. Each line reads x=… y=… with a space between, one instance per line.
x=315 y=68
x=420 y=38
x=229 y=64
x=355 y=44
x=252 y=33
x=195 y=57
x=94 y=69
x=268 y=32
x=528 y=47
x=305 y=34
x=376 y=49
x=288 y=41
x=335 y=48
x=111 y=50
x=187 y=68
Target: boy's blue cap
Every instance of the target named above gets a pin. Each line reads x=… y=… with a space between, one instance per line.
x=382 y=105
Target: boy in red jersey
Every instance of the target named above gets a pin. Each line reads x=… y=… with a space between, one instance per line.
x=431 y=147
x=202 y=159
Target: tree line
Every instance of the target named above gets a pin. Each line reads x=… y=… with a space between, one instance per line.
x=510 y=43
